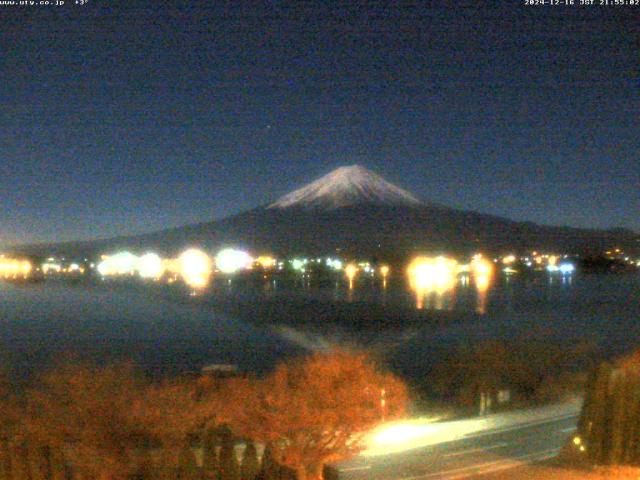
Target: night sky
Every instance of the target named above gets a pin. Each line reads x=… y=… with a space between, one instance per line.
x=126 y=117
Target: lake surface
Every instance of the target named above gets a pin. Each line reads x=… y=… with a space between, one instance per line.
x=40 y=323
x=167 y=331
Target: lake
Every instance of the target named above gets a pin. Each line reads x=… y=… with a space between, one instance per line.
x=167 y=331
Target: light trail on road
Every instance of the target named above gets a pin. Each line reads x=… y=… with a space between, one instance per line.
x=476 y=454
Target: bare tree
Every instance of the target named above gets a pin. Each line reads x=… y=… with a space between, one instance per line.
x=316 y=410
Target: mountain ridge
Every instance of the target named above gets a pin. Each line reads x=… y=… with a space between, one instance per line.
x=355 y=211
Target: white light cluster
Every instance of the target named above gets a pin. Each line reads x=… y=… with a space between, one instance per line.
x=150 y=266
x=564 y=268
x=334 y=263
x=122 y=263
x=567 y=268
x=299 y=263
x=193 y=265
x=230 y=260
x=195 y=268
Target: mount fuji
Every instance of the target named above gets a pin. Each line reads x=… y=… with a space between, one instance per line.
x=347 y=186
x=353 y=211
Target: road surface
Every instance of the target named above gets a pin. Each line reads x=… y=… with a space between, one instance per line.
x=515 y=441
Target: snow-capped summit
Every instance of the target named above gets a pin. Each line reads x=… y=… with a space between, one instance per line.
x=347 y=186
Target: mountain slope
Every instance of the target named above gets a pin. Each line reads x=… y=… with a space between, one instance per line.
x=353 y=211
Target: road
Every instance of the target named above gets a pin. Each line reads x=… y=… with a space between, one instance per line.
x=475 y=454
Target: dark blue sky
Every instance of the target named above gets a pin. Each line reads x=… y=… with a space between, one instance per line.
x=126 y=116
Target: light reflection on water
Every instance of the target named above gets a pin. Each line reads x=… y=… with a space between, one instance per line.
x=37 y=322
x=430 y=287
x=433 y=280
